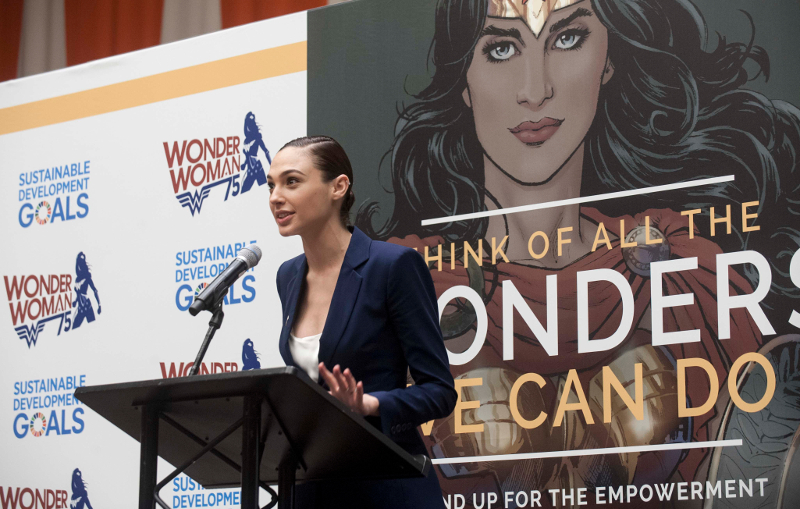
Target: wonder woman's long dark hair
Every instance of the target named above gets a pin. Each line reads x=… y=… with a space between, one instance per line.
x=673 y=111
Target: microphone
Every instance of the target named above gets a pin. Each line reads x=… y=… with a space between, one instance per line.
x=248 y=257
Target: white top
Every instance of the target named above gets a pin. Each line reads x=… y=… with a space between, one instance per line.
x=305 y=352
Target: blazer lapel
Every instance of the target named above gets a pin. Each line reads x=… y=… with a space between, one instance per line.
x=292 y=299
x=344 y=296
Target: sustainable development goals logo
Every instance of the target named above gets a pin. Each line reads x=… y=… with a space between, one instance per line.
x=195 y=268
x=35 y=300
x=231 y=163
x=46 y=407
x=55 y=194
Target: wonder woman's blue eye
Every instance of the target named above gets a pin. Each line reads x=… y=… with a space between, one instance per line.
x=502 y=51
x=571 y=39
x=499 y=51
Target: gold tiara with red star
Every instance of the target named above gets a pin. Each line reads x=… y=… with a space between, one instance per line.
x=533 y=12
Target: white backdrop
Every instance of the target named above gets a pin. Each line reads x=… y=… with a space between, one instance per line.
x=123 y=215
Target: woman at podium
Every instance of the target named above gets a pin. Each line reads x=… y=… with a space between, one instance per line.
x=358 y=316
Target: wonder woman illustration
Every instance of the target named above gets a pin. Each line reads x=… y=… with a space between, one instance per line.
x=252 y=166
x=534 y=101
x=83 y=281
x=80 y=497
x=249 y=356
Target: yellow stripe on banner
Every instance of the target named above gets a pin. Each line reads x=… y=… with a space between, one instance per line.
x=223 y=73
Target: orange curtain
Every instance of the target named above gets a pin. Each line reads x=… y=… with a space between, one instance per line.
x=102 y=28
x=240 y=12
x=10 y=34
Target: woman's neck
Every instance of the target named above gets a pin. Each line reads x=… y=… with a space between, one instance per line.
x=326 y=246
x=521 y=225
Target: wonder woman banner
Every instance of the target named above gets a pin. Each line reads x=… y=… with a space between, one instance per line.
x=606 y=193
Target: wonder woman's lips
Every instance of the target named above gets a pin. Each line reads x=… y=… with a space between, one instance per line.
x=536 y=133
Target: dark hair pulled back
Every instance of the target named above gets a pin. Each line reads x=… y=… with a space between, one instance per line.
x=329 y=158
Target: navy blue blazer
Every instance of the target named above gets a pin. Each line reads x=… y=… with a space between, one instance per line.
x=383 y=321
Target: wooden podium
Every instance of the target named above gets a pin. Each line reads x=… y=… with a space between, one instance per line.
x=250 y=429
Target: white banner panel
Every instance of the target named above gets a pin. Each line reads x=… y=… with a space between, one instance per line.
x=127 y=185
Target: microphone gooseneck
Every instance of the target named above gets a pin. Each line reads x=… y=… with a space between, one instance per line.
x=211 y=297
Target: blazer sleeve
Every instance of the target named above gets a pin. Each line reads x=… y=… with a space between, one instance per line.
x=414 y=315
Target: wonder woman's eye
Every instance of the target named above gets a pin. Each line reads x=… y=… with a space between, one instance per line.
x=499 y=51
x=571 y=39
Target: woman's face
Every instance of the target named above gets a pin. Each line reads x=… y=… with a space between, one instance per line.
x=534 y=99
x=299 y=199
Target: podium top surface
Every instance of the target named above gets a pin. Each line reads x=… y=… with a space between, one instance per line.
x=332 y=441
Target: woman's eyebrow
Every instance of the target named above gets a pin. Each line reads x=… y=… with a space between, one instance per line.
x=286 y=172
x=502 y=32
x=290 y=170
x=579 y=13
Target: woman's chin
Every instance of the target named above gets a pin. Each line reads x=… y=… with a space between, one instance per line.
x=286 y=230
x=531 y=165
x=529 y=174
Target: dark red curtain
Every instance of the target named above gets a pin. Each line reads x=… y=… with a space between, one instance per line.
x=10 y=33
x=102 y=28
x=240 y=12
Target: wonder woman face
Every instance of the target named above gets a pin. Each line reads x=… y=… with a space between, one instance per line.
x=534 y=99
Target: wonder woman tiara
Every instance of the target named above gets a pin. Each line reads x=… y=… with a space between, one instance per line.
x=533 y=12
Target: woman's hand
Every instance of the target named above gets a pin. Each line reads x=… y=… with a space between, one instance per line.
x=343 y=386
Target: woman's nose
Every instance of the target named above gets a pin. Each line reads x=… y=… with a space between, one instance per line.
x=275 y=196
x=536 y=87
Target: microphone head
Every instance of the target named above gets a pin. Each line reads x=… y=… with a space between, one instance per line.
x=251 y=255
